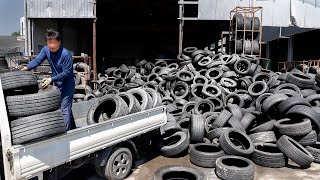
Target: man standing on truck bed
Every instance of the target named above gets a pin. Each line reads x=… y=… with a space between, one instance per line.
x=61 y=64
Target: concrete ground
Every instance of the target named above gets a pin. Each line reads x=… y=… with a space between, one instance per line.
x=293 y=172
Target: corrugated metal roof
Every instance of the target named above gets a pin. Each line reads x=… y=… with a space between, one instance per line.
x=60 y=8
x=270 y=33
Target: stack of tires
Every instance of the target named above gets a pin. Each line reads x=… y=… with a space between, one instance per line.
x=112 y=106
x=83 y=91
x=32 y=114
x=3 y=65
x=247 y=34
x=229 y=113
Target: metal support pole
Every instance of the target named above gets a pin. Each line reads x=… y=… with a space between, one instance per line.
x=26 y=53
x=94 y=52
x=290 y=49
x=180 y=27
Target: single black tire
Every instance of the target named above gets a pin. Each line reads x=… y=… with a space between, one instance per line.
x=293 y=150
x=262 y=77
x=308 y=139
x=234 y=168
x=222 y=119
x=214 y=73
x=204 y=106
x=305 y=111
x=260 y=100
x=111 y=105
x=301 y=80
x=272 y=100
x=315 y=151
x=232 y=138
x=175 y=144
x=235 y=111
x=178 y=172
x=37 y=126
x=294 y=127
x=247 y=119
x=211 y=90
x=267 y=126
x=233 y=99
x=268 y=155
x=235 y=123
x=242 y=66
x=288 y=89
x=31 y=104
x=119 y=164
x=17 y=80
x=197 y=128
x=216 y=133
x=205 y=155
x=156 y=99
x=263 y=137
x=285 y=105
x=179 y=90
x=257 y=88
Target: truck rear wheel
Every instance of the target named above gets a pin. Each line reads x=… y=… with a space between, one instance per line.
x=118 y=164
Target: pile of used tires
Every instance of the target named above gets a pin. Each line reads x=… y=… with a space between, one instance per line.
x=83 y=91
x=33 y=113
x=228 y=113
x=3 y=65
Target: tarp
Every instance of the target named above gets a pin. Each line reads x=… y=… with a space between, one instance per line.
x=10 y=44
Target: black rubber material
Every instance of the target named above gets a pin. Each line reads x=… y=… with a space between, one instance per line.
x=247 y=119
x=216 y=133
x=27 y=105
x=242 y=66
x=315 y=151
x=185 y=76
x=228 y=82
x=257 y=88
x=211 y=90
x=301 y=80
x=214 y=73
x=232 y=138
x=268 y=155
x=235 y=111
x=288 y=89
x=305 y=111
x=178 y=172
x=263 y=137
x=37 y=126
x=234 y=168
x=205 y=155
x=143 y=98
x=235 y=123
x=156 y=99
x=175 y=144
x=204 y=106
x=260 y=100
x=308 y=139
x=285 y=105
x=132 y=103
x=272 y=100
x=18 y=79
x=218 y=104
x=296 y=127
x=222 y=119
x=180 y=90
x=293 y=150
x=197 y=130
x=233 y=99
x=267 y=126
x=111 y=105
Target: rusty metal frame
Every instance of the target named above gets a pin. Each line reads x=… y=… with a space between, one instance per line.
x=251 y=11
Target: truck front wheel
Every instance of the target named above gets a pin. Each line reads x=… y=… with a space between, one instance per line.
x=119 y=164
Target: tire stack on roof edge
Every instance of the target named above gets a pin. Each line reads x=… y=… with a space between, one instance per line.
x=32 y=114
x=226 y=109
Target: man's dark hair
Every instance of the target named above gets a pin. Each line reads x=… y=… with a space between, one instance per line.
x=52 y=34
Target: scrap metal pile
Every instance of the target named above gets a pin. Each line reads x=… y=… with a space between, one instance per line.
x=229 y=109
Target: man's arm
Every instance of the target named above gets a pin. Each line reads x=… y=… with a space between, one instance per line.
x=67 y=68
x=38 y=60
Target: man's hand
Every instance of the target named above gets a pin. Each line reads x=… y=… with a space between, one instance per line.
x=24 y=69
x=46 y=82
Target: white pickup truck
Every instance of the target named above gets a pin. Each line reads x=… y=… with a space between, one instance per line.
x=110 y=145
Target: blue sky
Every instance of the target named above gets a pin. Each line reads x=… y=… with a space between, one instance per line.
x=10 y=13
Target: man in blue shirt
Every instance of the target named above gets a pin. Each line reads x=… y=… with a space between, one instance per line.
x=61 y=64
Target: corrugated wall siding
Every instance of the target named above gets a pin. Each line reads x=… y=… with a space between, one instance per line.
x=60 y=8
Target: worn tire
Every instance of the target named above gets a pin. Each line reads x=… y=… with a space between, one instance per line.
x=263 y=137
x=285 y=105
x=175 y=144
x=197 y=128
x=308 y=139
x=307 y=112
x=272 y=100
x=267 y=126
x=232 y=149
x=301 y=80
x=268 y=155
x=31 y=104
x=234 y=168
x=37 y=126
x=113 y=105
x=205 y=155
x=17 y=80
x=143 y=98
x=296 y=127
x=132 y=103
x=178 y=172
x=315 y=151
x=222 y=119
x=293 y=150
